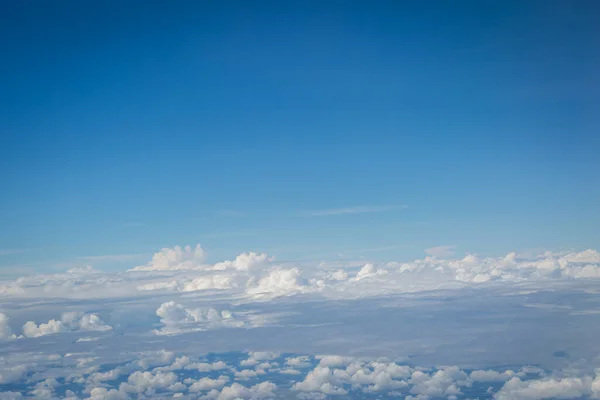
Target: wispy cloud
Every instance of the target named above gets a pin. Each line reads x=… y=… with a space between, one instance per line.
x=353 y=210
x=112 y=257
x=441 y=251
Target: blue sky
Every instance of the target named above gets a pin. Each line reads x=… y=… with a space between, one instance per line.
x=306 y=130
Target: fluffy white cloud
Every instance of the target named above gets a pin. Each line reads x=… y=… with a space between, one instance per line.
x=174 y=259
x=70 y=321
x=177 y=319
x=321 y=379
x=339 y=275
x=334 y=361
x=216 y=281
x=255 y=357
x=444 y=382
x=262 y=390
x=369 y=271
x=491 y=376
x=245 y=262
x=207 y=367
x=32 y=330
x=205 y=384
x=101 y=393
x=279 y=282
x=147 y=382
x=550 y=388
x=299 y=361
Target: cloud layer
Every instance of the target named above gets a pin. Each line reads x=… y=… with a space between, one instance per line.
x=436 y=327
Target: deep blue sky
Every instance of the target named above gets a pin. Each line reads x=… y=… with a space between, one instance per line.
x=128 y=126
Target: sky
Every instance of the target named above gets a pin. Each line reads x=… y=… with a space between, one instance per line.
x=300 y=200
x=132 y=126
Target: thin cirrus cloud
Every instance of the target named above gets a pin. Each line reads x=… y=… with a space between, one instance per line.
x=353 y=210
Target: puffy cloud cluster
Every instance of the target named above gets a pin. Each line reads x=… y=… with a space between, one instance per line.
x=162 y=374
x=342 y=375
x=263 y=390
x=256 y=357
x=70 y=321
x=148 y=382
x=177 y=319
x=551 y=388
x=369 y=271
x=245 y=262
x=474 y=269
x=335 y=375
x=279 y=282
x=174 y=259
x=443 y=383
x=256 y=276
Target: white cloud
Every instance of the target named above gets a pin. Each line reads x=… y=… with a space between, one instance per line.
x=70 y=321
x=32 y=330
x=177 y=319
x=245 y=262
x=444 y=382
x=490 y=376
x=205 y=384
x=321 y=379
x=101 y=393
x=247 y=374
x=262 y=390
x=369 y=271
x=299 y=361
x=538 y=389
x=334 y=360
x=207 y=367
x=279 y=282
x=140 y=382
x=208 y=282
x=255 y=357
x=177 y=258
x=339 y=275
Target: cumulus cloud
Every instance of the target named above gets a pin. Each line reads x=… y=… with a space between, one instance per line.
x=444 y=382
x=70 y=321
x=177 y=319
x=255 y=357
x=262 y=390
x=369 y=271
x=205 y=384
x=491 y=376
x=147 y=382
x=279 y=282
x=177 y=258
x=245 y=262
x=255 y=275
x=550 y=388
